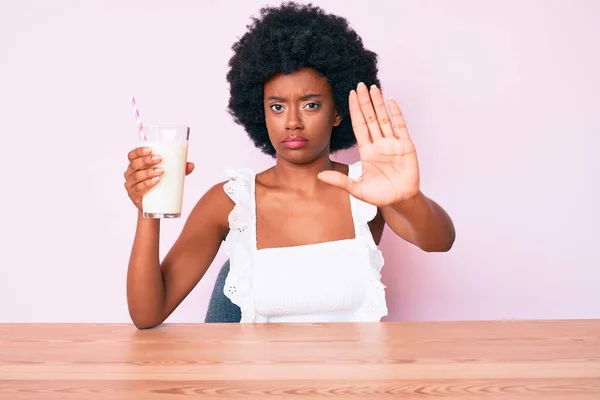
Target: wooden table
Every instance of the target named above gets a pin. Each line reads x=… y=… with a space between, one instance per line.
x=412 y=360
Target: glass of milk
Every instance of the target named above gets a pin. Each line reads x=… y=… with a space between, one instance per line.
x=165 y=198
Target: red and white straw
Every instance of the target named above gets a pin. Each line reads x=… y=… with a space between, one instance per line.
x=136 y=113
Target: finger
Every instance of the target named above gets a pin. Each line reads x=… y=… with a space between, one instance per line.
x=141 y=188
x=143 y=175
x=398 y=120
x=364 y=99
x=189 y=167
x=381 y=111
x=138 y=152
x=338 y=179
x=142 y=163
x=359 y=125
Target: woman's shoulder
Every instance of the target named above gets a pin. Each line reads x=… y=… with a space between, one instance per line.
x=237 y=184
x=211 y=212
x=218 y=200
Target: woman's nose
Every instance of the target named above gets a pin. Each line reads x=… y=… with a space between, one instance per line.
x=294 y=122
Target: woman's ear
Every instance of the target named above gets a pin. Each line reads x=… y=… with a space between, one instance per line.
x=337 y=120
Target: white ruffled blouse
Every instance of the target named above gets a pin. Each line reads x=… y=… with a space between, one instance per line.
x=337 y=281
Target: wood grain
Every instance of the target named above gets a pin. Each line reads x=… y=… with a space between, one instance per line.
x=446 y=360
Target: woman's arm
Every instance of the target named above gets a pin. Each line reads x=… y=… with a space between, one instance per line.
x=421 y=221
x=155 y=289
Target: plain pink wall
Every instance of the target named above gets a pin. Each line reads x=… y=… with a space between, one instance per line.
x=502 y=100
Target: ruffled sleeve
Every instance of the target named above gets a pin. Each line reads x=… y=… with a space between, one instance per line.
x=240 y=242
x=362 y=213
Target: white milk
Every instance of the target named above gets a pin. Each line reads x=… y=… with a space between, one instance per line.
x=165 y=198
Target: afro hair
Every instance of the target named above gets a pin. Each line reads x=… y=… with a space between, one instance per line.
x=284 y=39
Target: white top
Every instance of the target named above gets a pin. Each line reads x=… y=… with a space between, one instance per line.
x=337 y=281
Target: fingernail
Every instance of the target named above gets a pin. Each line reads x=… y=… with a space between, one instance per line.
x=158 y=170
x=154 y=180
x=374 y=87
x=146 y=150
x=155 y=157
x=361 y=84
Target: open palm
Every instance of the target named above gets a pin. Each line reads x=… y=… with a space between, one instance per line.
x=390 y=171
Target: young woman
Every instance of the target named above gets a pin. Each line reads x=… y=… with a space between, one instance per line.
x=302 y=235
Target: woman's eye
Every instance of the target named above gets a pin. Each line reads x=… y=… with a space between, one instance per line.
x=312 y=106
x=276 y=107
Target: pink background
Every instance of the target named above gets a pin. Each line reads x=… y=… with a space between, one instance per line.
x=502 y=100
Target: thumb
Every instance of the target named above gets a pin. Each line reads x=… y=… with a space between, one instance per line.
x=338 y=179
x=189 y=167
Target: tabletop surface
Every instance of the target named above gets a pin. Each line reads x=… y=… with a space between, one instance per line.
x=447 y=360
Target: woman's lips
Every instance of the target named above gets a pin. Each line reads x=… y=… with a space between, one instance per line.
x=294 y=142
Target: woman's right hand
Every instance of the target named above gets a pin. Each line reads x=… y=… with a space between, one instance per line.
x=141 y=174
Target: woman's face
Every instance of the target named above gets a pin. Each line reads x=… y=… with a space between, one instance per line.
x=300 y=114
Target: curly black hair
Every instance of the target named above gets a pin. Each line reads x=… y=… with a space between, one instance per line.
x=284 y=39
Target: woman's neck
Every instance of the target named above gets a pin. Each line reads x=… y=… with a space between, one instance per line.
x=301 y=177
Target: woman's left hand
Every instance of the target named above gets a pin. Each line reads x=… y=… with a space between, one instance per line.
x=390 y=171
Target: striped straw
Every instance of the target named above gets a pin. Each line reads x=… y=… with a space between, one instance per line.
x=136 y=113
